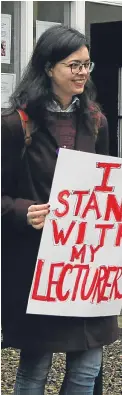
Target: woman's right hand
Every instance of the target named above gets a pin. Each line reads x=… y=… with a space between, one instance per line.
x=36 y=215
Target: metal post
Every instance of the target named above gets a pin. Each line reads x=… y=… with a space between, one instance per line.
x=26 y=32
x=77 y=19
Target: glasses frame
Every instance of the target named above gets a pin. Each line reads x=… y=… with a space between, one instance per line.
x=80 y=66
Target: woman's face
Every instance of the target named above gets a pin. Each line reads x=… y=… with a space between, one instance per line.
x=67 y=79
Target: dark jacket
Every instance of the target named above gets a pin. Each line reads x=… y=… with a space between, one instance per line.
x=26 y=181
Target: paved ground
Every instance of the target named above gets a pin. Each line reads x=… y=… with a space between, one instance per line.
x=112 y=369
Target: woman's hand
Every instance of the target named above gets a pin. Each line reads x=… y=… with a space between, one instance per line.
x=36 y=215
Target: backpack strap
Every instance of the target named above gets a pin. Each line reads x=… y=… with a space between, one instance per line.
x=26 y=126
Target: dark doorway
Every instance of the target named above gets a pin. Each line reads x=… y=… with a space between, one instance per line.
x=106 y=39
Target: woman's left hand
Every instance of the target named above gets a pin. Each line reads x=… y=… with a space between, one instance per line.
x=36 y=215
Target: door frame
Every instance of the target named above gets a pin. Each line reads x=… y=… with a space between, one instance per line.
x=107 y=2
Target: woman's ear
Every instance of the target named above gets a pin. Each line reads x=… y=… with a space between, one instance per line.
x=48 y=69
x=49 y=73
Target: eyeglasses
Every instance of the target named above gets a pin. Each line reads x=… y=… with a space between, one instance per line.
x=78 y=66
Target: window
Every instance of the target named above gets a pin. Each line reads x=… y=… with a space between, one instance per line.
x=48 y=12
x=10 y=48
x=120 y=113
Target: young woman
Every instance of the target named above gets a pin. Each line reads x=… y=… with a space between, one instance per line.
x=55 y=93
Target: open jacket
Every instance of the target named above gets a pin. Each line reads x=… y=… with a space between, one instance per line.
x=27 y=180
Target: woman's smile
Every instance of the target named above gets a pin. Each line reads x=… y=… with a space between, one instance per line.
x=79 y=83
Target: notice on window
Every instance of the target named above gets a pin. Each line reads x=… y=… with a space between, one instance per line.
x=8 y=82
x=5 y=38
x=41 y=26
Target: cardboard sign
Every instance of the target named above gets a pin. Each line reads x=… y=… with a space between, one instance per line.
x=79 y=264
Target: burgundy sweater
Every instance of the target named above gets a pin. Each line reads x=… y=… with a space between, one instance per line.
x=63 y=127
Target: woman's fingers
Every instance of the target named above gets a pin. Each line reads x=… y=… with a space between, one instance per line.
x=39 y=226
x=39 y=220
x=36 y=215
x=38 y=207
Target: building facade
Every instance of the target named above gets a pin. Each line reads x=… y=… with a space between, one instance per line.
x=22 y=23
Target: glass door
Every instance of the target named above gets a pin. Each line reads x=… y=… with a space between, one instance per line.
x=120 y=113
x=47 y=13
x=10 y=48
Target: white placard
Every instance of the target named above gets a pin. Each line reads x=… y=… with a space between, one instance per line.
x=8 y=82
x=5 y=38
x=41 y=26
x=79 y=264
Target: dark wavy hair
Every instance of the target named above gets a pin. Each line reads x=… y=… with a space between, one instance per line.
x=34 y=90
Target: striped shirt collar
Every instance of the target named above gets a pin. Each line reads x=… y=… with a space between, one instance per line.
x=55 y=107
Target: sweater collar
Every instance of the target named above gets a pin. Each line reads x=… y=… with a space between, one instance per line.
x=55 y=107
